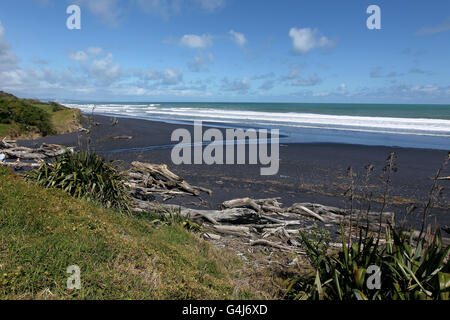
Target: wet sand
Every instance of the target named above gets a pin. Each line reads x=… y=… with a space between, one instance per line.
x=308 y=172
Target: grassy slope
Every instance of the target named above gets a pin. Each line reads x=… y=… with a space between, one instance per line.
x=62 y=119
x=44 y=231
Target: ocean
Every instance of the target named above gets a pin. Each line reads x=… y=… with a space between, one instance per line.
x=412 y=126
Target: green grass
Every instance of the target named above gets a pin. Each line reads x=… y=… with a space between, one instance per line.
x=43 y=231
x=32 y=118
x=4 y=129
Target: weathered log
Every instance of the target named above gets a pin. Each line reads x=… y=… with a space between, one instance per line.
x=20 y=165
x=7 y=143
x=241 y=203
x=46 y=150
x=232 y=230
x=309 y=212
x=242 y=216
x=280 y=246
x=22 y=154
x=162 y=177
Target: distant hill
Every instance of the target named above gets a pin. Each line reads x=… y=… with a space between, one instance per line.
x=32 y=118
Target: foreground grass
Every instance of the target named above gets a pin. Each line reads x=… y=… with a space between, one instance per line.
x=43 y=231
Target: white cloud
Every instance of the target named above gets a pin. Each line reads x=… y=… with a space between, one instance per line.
x=107 y=10
x=105 y=69
x=97 y=65
x=167 y=77
x=95 y=51
x=238 y=38
x=295 y=78
x=79 y=56
x=444 y=26
x=241 y=86
x=306 y=39
x=201 y=63
x=196 y=41
x=8 y=59
x=312 y=80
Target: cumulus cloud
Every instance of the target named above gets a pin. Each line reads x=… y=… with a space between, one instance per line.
x=238 y=38
x=79 y=56
x=94 y=74
x=166 y=77
x=98 y=65
x=306 y=39
x=193 y=41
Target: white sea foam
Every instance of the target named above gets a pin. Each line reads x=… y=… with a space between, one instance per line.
x=415 y=126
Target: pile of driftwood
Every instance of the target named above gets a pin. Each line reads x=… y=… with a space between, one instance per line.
x=147 y=180
x=265 y=222
x=262 y=222
x=32 y=156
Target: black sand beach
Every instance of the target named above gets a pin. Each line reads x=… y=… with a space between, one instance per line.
x=308 y=172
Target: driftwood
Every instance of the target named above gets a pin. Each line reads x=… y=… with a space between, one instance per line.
x=46 y=151
x=262 y=242
x=7 y=143
x=147 y=180
x=20 y=164
x=263 y=222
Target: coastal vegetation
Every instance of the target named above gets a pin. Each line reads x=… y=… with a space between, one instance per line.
x=44 y=231
x=411 y=267
x=408 y=269
x=84 y=175
x=70 y=211
x=30 y=118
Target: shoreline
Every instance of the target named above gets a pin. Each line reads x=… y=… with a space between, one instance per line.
x=309 y=172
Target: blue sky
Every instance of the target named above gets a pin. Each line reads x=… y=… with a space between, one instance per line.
x=227 y=50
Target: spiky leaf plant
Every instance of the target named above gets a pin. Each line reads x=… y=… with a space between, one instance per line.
x=410 y=269
x=84 y=175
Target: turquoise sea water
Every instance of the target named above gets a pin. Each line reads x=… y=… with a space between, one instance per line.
x=418 y=126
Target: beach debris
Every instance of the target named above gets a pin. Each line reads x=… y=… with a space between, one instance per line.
x=147 y=180
x=264 y=222
x=7 y=143
x=116 y=138
x=36 y=155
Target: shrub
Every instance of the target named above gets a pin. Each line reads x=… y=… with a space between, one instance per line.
x=25 y=115
x=84 y=175
x=409 y=270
